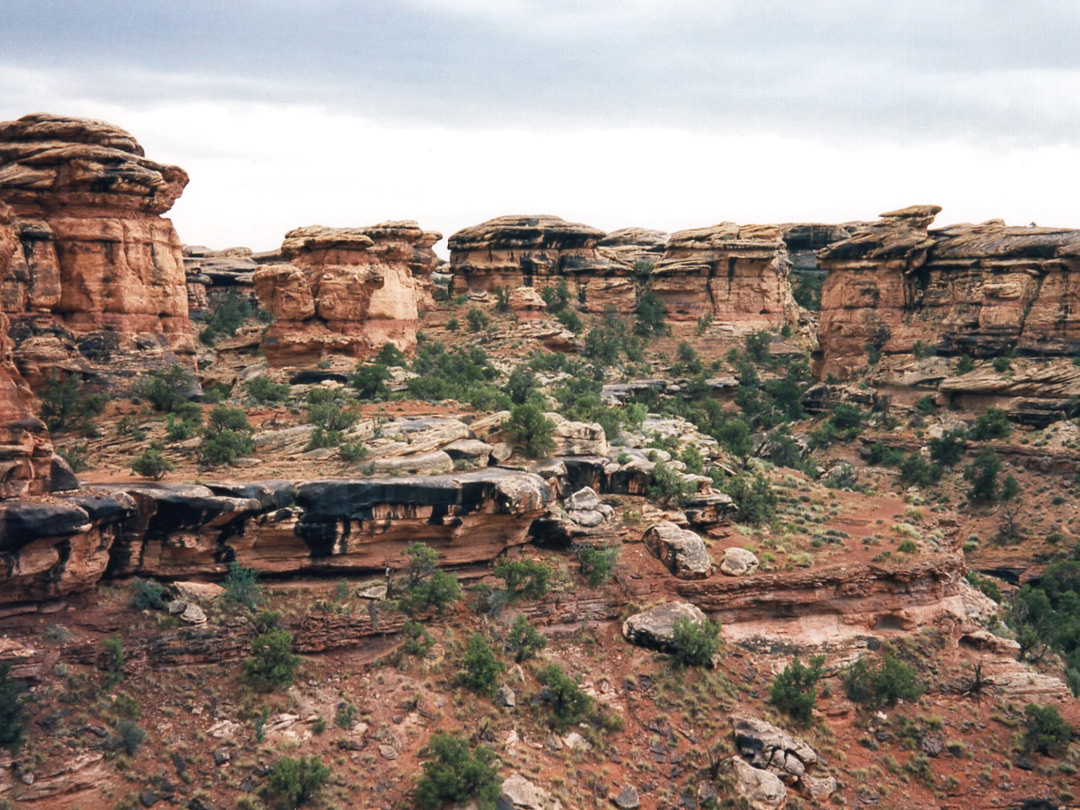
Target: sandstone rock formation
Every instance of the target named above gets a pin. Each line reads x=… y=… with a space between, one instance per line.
x=636 y=245
x=25 y=449
x=541 y=251
x=655 y=627
x=682 y=551
x=344 y=290
x=738 y=274
x=984 y=290
x=99 y=276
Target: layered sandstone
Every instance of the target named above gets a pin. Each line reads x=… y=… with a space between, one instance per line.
x=344 y=290
x=541 y=251
x=636 y=245
x=983 y=290
x=98 y=274
x=737 y=274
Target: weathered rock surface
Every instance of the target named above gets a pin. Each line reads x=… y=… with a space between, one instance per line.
x=738 y=274
x=738 y=562
x=344 y=290
x=761 y=789
x=763 y=745
x=682 y=551
x=655 y=627
x=98 y=280
x=984 y=290
x=636 y=245
x=541 y=251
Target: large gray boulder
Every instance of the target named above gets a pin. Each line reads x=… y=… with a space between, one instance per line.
x=655 y=627
x=763 y=745
x=738 y=562
x=518 y=793
x=762 y=789
x=681 y=550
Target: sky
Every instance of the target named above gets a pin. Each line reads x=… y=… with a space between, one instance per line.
x=666 y=114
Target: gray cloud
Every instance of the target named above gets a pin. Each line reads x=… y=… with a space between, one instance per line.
x=969 y=69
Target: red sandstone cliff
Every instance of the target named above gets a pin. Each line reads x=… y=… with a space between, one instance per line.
x=345 y=290
x=98 y=275
x=984 y=290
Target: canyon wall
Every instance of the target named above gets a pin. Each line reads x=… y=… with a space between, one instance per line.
x=97 y=283
x=541 y=251
x=346 y=290
x=984 y=290
x=737 y=274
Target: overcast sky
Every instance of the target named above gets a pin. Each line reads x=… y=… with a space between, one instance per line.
x=661 y=113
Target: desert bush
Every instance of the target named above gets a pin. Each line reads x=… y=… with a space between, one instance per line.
x=883 y=685
x=524 y=641
x=524 y=578
x=427 y=587
x=569 y=704
x=129 y=736
x=114 y=660
x=649 y=315
x=152 y=463
x=389 y=355
x=352 y=452
x=370 y=381
x=668 y=487
x=693 y=644
x=982 y=475
x=263 y=390
x=242 y=586
x=224 y=447
x=530 y=430
x=167 y=389
x=915 y=471
x=272 y=664
x=293 y=782
x=992 y=424
x=65 y=402
x=1045 y=731
x=148 y=595
x=753 y=496
x=418 y=641
x=794 y=691
x=452 y=774
x=13 y=716
x=597 y=563
x=948 y=448
x=480 y=669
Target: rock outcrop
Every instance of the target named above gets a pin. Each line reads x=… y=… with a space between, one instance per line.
x=25 y=449
x=344 y=290
x=98 y=281
x=982 y=290
x=655 y=627
x=680 y=550
x=737 y=274
x=541 y=251
x=636 y=245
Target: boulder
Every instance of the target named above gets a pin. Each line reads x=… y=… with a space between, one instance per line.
x=763 y=745
x=627 y=798
x=738 y=562
x=655 y=627
x=682 y=551
x=518 y=793
x=761 y=789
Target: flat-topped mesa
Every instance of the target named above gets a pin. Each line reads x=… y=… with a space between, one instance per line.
x=738 y=274
x=541 y=251
x=984 y=290
x=97 y=266
x=344 y=290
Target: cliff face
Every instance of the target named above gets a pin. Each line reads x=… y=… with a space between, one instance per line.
x=344 y=290
x=983 y=290
x=98 y=273
x=541 y=251
x=738 y=274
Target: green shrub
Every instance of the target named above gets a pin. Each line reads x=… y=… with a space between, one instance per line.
x=224 y=447
x=524 y=641
x=459 y=374
x=883 y=456
x=13 y=716
x=426 y=586
x=293 y=782
x=477 y=320
x=982 y=475
x=129 y=736
x=242 y=586
x=597 y=563
x=530 y=430
x=345 y=716
x=152 y=463
x=521 y=385
x=948 y=448
x=649 y=315
x=452 y=325
x=753 y=497
x=480 y=668
x=794 y=691
x=668 y=487
x=114 y=660
x=178 y=430
x=418 y=641
x=916 y=472
x=992 y=424
x=1002 y=364
x=1045 y=731
x=65 y=403
x=693 y=644
x=167 y=389
x=454 y=775
x=370 y=380
x=148 y=595
x=263 y=390
x=352 y=452
x=324 y=438
x=524 y=578
x=965 y=365
x=330 y=417
x=883 y=685
x=569 y=704
x=272 y=664
x=390 y=355
x=907 y=547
